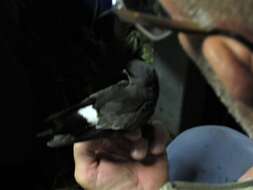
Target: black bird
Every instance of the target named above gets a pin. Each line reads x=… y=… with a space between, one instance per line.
x=121 y=107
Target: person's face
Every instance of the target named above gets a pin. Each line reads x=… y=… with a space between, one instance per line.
x=232 y=15
x=226 y=63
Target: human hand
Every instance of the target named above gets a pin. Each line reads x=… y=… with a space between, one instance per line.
x=247 y=176
x=95 y=172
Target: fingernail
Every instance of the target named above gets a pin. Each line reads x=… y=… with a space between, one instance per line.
x=140 y=151
x=158 y=149
x=137 y=154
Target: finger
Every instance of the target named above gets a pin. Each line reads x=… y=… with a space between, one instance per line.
x=161 y=138
x=248 y=176
x=85 y=165
x=140 y=149
x=232 y=62
x=82 y=152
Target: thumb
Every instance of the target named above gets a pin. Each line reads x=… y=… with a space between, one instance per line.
x=247 y=176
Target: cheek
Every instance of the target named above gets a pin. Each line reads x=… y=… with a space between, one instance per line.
x=240 y=84
x=230 y=67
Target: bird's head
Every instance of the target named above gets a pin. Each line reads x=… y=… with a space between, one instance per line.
x=142 y=73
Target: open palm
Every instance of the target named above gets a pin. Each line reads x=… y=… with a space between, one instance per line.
x=147 y=170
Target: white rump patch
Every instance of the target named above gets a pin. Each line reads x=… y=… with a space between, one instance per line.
x=90 y=114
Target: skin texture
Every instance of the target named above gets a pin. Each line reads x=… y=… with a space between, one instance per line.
x=226 y=63
x=227 y=14
x=94 y=172
x=247 y=176
x=235 y=71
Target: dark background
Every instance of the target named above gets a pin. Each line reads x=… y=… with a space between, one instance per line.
x=51 y=57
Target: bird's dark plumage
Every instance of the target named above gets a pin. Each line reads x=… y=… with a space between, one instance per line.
x=124 y=106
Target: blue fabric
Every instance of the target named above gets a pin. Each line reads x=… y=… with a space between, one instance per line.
x=210 y=154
